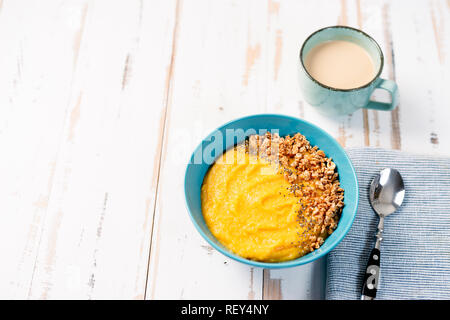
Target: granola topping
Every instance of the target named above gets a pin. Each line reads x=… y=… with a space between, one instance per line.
x=312 y=178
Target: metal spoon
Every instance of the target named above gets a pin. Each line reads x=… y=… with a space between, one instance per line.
x=386 y=196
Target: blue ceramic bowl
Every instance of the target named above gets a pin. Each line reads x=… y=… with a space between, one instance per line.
x=203 y=156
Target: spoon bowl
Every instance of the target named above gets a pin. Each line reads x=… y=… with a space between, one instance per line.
x=387 y=191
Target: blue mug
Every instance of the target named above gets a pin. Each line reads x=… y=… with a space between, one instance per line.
x=334 y=101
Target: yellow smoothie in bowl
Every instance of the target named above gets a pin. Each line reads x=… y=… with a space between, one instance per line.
x=266 y=203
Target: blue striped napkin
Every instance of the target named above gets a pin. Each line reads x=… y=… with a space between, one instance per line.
x=415 y=252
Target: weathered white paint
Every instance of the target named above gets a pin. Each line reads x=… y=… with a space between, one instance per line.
x=84 y=89
x=217 y=75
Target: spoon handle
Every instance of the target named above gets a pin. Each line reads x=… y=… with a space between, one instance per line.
x=372 y=275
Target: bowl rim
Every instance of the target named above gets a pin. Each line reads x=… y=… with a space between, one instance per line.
x=274 y=265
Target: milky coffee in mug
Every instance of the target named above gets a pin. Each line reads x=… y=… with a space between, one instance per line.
x=340 y=64
x=339 y=70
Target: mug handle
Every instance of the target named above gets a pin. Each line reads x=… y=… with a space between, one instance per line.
x=392 y=88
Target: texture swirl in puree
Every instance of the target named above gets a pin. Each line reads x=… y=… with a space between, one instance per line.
x=248 y=206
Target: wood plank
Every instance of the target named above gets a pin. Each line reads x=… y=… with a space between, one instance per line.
x=36 y=60
x=422 y=71
x=219 y=74
x=95 y=146
x=287 y=32
x=396 y=29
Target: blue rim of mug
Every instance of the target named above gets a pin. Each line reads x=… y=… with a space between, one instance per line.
x=272 y=265
x=350 y=28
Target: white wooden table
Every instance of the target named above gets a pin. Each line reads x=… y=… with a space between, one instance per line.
x=102 y=102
